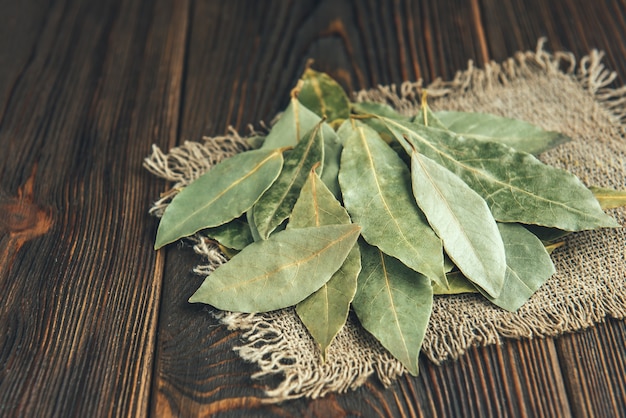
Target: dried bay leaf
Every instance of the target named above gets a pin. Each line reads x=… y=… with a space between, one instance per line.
x=548 y=235
x=609 y=198
x=235 y=234
x=394 y=304
x=280 y=271
x=324 y=96
x=379 y=109
x=461 y=218
x=457 y=284
x=253 y=229
x=517 y=134
x=427 y=117
x=223 y=193
x=317 y=206
x=376 y=187
x=332 y=159
x=516 y=185
x=275 y=205
x=325 y=311
x=255 y=141
x=295 y=122
x=528 y=266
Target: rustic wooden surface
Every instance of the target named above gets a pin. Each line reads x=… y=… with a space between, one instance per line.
x=93 y=322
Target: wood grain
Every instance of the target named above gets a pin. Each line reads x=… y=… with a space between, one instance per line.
x=93 y=322
x=91 y=87
x=594 y=377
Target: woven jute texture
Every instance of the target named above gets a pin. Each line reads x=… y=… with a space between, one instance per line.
x=553 y=91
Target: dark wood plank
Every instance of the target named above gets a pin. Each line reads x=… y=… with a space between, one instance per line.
x=596 y=360
x=87 y=86
x=21 y=21
x=96 y=84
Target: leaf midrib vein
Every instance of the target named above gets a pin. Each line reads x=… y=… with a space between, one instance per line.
x=296 y=263
x=230 y=187
x=393 y=306
x=449 y=209
x=296 y=172
x=380 y=192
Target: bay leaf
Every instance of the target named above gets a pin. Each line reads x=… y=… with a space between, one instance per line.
x=332 y=159
x=317 y=206
x=550 y=248
x=221 y=194
x=528 y=266
x=280 y=271
x=548 y=235
x=324 y=96
x=255 y=141
x=325 y=311
x=463 y=221
x=427 y=117
x=235 y=234
x=609 y=198
x=254 y=231
x=515 y=133
x=378 y=109
x=295 y=122
x=516 y=185
x=394 y=304
x=457 y=284
x=376 y=188
x=369 y=109
x=275 y=205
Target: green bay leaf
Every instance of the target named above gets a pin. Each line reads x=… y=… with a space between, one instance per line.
x=515 y=133
x=516 y=185
x=325 y=311
x=324 y=96
x=277 y=202
x=394 y=304
x=280 y=271
x=461 y=218
x=223 y=193
x=376 y=187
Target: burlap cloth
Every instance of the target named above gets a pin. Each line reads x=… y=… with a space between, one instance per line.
x=549 y=90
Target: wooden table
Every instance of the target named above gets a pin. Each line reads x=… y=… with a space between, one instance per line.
x=94 y=322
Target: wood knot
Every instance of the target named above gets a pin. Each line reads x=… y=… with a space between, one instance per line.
x=20 y=217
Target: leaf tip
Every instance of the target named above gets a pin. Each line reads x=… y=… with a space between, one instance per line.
x=159 y=241
x=194 y=298
x=295 y=92
x=413 y=369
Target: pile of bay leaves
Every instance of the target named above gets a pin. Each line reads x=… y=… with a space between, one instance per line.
x=353 y=205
